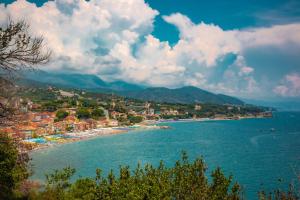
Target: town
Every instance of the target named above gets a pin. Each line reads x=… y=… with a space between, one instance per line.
x=53 y=114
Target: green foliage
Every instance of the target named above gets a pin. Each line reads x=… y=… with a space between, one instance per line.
x=290 y=194
x=187 y=95
x=87 y=103
x=72 y=102
x=120 y=108
x=13 y=167
x=135 y=119
x=69 y=128
x=50 y=106
x=186 y=180
x=61 y=114
x=37 y=94
x=56 y=185
x=123 y=121
x=97 y=113
x=83 y=113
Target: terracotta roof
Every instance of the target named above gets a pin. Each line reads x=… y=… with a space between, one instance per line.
x=27 y=128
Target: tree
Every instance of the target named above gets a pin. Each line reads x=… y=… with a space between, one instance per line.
x=87 y=103
x=7 y=92
x=13 y=167
x=50 y=106
x=83 y=113
x=61 y=114
x=186 y=180
x=135 y=119
x=97 y=113
x=18 y=49
x=290 y=194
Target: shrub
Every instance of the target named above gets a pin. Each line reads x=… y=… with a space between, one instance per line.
x=13 y=167
x=97 y=113
x=83 y=113
x=61 y=114
x=135 y=119
x=183 y=181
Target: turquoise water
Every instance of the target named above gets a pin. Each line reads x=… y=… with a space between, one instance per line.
x=37 y=140
x=248 y=149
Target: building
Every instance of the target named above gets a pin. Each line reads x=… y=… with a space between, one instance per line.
x=116 y=115
x=198 y=107
x=151 y=111
x=113 y=123
x=27 y=130
x=102 y=123
x=170 y=112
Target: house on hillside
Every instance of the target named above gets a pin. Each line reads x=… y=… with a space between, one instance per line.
x=27 y=130
x=198 y=107
x=113 y=123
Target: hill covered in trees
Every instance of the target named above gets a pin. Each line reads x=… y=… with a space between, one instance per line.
x=181 y=95
x=185 y=95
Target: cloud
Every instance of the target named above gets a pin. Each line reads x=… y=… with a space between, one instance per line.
x=289 y=87
x=207 y=44
x=84 y=33
x=276 y=35
x=203 y=43
x=113 y=39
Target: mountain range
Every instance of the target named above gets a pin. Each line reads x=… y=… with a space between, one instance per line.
x=186 y=94
x=93 y=83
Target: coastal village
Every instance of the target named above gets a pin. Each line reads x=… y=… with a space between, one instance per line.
x=61 y=116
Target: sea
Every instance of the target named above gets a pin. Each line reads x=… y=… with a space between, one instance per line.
x=261 y=153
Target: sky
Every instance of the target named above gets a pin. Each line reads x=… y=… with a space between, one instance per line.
x=248 y=49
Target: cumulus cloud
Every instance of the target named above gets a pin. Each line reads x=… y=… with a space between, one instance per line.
x=113 y=39
x=84 y=33
x=289 y=87
x=203 y=43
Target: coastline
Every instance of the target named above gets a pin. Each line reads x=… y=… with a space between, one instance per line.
x=210 y=119
x=55 y=140
x=200 y=142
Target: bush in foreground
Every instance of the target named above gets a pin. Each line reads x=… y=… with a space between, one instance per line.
x=13 y=168
x=183 y=181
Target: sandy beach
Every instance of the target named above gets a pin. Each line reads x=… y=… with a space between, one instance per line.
x=54 y=140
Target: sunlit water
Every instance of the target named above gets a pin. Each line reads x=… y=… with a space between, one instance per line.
x=248 y=149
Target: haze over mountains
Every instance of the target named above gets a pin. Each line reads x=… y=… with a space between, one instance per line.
x=187 y=94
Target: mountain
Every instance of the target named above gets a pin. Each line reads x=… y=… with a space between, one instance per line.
x=124 y=86
x=181 y=95
x=69 y=80
x=81 y=81
x=93 y=83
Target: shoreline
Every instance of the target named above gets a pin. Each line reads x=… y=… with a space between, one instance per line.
x=55 y=140
x=209 y=119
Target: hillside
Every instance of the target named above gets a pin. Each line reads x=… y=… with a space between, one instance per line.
x=181 y=95
x=93 y=83
x=79 y=81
